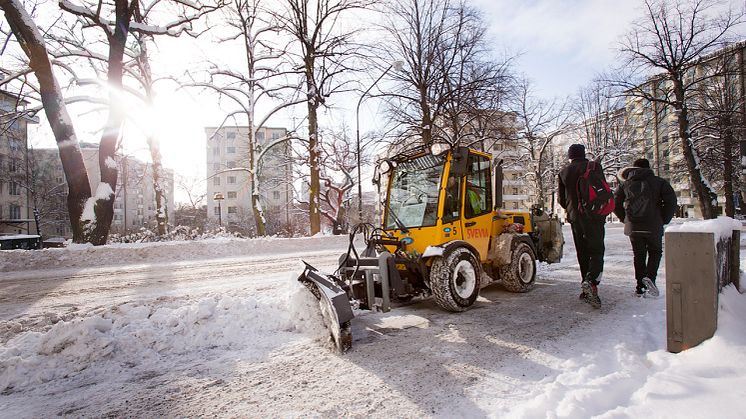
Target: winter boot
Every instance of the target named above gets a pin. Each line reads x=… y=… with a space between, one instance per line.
x=650 y=288
x=590 y=294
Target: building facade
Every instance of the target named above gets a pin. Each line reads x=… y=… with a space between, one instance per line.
x=16 y=209
x=228 y=177
x=134 y=202
x=721 y=91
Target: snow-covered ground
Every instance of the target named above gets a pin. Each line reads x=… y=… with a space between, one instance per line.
x=221 y=327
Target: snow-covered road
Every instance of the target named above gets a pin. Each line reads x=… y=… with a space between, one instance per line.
x=154 y=336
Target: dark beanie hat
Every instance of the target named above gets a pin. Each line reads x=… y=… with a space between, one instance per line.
x=576 y=151
x=642 y=163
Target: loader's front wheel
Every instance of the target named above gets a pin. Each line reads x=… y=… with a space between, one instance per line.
x=520 y=274
x=454 y=279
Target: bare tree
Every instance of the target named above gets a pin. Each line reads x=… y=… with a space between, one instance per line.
x=716 y=123
x=32 y=43
x=603 y=126
x=539 y=122
x=448 y=82
x=666 y=45
x=323 y=51
x=116 y=22
x=266 y=77
x=338 y=163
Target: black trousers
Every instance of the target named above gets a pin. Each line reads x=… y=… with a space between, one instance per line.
x=648 y=250
x=588 y=235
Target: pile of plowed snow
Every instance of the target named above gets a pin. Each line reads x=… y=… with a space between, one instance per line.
x=88 y=255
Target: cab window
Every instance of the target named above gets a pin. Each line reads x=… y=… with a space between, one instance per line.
x=478 y=200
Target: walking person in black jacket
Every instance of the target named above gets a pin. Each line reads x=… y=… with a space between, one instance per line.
x=587 y=230
x=645 y=203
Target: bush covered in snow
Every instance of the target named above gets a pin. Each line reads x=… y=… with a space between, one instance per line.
x=178 y=233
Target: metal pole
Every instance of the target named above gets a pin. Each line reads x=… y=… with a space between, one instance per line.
x=357 y=132
x=220 y=215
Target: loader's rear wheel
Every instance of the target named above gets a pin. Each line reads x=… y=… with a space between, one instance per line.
x=520 y=274
x=454 y=279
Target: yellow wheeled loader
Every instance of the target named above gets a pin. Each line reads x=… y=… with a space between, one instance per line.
x=443 y=234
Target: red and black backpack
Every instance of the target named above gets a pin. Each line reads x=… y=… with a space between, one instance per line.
x=595 y=197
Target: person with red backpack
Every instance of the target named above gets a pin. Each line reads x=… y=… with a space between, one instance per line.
x=587 y=199
x=645 y=203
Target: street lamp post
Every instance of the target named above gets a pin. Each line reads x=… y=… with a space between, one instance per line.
x=398 y=66
x=219 y=197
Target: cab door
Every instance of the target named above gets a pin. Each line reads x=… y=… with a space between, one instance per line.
x=452 y=193
x=477 y=203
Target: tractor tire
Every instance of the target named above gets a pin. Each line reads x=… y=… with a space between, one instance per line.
x=520 y=274
x=454 y=279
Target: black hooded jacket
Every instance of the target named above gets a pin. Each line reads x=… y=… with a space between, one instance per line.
x=662 y=193
x=567 y=193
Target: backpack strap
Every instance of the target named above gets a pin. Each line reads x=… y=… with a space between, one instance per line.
x=591 y=166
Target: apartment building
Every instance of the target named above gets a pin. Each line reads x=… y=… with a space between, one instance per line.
x=16 y=209
x=656 y=126
x=134 y=202
x=228 y=177
x=517 y=189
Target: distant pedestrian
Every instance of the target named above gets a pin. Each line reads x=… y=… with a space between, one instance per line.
x=645 y=203
x=587 y=227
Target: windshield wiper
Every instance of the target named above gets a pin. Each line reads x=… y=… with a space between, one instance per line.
x=398 y=221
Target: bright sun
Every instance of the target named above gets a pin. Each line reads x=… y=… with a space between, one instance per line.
x=176 y=121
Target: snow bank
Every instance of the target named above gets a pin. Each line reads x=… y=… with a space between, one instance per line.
x=132 y=335
x=86 y=255
x=639 y=378
x=722 y=227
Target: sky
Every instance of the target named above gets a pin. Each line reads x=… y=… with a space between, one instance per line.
x=221 y=327
x=561 y=45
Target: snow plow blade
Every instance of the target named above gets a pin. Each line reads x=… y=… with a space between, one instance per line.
x=334 y=304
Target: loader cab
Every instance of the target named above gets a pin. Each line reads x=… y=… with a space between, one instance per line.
x=434 y=198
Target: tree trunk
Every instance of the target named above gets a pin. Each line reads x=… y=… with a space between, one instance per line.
x=32 y=43
x=104 y=204
x=161 y=203
x=427 y=123
x=706 y=196
x=728 y=142
x=313 y=150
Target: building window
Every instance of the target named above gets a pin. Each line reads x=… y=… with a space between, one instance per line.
x=216 y=181
x=15 y=212
x=231 y=164
x=515 y=191
x=276 y=194
x=232 y=195
x=14 y=189
x=216 y=167
x=275 y=135
x=515 y=205
x=13 y=164
x=216 y=210
x=232 y=210
x=231 y=135
x=231 y=180
x=260 y=136
x=230 y=150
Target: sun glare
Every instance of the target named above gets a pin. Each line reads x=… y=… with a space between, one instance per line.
x=176 y=122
